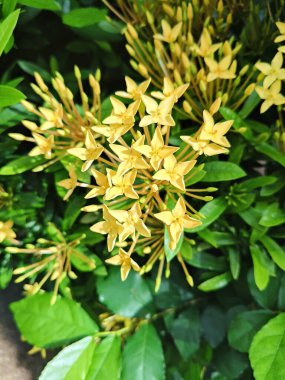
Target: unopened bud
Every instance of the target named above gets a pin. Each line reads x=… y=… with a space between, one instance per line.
x=77 y=72
x=41 y=83
x=17 y=136
x=132 y=31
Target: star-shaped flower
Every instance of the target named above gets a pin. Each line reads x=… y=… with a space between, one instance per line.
x=270 y=95
x=88 y=154
x=168 y=34
x=102 y=182
x=134 y=91
x=44 y=145
x=281 y=38
x=206 y=48
x=170 y=90
x=122 y=185
x=272 y=71
x=131 y=221
x=215 y=132
x=126 y=262
x=176 y=220
x=157 y=151
x=69 y=183
x=6 y=232
x=121 y=114
x=157 y=113
x=109 y=226
x=174 y=171
x=204 y=147
x=220 y=69
x=53 y=118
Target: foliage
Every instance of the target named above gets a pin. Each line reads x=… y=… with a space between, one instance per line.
x=182 y=167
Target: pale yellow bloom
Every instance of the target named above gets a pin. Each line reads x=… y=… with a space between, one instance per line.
x=270 y=95
x=176 y=220
x=126 y=262
x=6 y=231
x=157 y=151
x=109 y=226
x=158 y=113
x=134 y=91
x=174 y=171
x=204 y=147
x=69 y=183
x=215 y=132
x=272 y=71
x=206 y=48
x=168 y=34
x=53 y=118
x=121 y=114
x=122 y=185
x=281 y=38
x=131 y=222
x=88 y=154
x=102 y=182
x=44 y=145
x=112 y=132
x=170 y=90
x=220 y=69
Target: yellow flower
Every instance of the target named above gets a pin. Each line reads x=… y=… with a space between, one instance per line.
x=157 y=151
x=176 y=220
x=281 y=38
x=44 y=145
x=206 y=48
x=109 y=226
x=131 y=221
x=168 y=34
x=272 y=71
x=270 y=95
x=88 y=154
x=170 y=90
x=6 y=232
x=102 y=182
x=121 y=114
x=130 y=157
x=53 y=118
x=215 y=132
x=112 y=132
x=157 y=113
x=220 y=69
x=174 y=171
x=134 y=91
x=126 y=262
x=204 y=147
x=122 y=185
x=69 y=183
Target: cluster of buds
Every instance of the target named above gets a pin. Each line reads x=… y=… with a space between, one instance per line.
x=142 y=180
x=272 y=74
x=174 y=51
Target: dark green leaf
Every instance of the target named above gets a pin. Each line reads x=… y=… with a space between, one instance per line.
x=50 y=5
x=229 y=362
x=206 y=261
x=267 y=350
x=72 y=211
x=217 y=171
x=21 y=165
x=6 y=30
x=216 y=282
x=234 y=257
x=271 y=152
x=275 y=251
x=143 y=356
x=9 y=96
x=8 y=7
x=252 y=101
x=214 y=325
x=253 y=183
x=81 y=17
x=272 y=216
x=267 y=297
x=46 y=325
x=31 y=68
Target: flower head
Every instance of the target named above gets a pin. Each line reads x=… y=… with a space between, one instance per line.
x=125 y=261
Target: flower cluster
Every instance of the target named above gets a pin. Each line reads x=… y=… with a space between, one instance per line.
x=142 y=180
x=176 y=51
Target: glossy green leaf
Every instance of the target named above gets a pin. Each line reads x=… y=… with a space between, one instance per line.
x=50 y=5
x=206 y=261
x=217 y=171
x=106 y=360
x=251 y=102
x=72 y=211
x=132 y=297
x=171 y=253
x=271 y=152
x=229 y=362
x=214 y=325
x=244 y=326
x=272 y=216
x=211 y=211
x=260 y=269
x=82 y=17
x=9 y=96
x=234 y=258
x=21 y=165
x=267 y=350
x=265 y=298
x=71 y=363
x=274 y=250
x=8 y=7
x=143 y=356
x=31 y=68
x=6 y=29
x=63 y=322
x=228 y=114
x=254 y=183
x=216 y=282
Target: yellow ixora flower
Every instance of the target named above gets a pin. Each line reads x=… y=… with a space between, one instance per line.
x=170 y=90
x=168 y=34
x=121 y=114
x=157 y=113
x=206 y=48
x=6 y=231
x=272 y=71
x=220 y=69
x=44 y=145
x=215 y=132
x=281 y=37
x=88 y=154
x=174 y=171
x=125 y=261
x=103 y=183
x=122 y=185
x=203 y=146
x=70 y=183
x=134 y=91
x=270 y=95
x=156 y=151
x=176 y=220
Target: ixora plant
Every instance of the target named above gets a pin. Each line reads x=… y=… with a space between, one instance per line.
x=148 y=226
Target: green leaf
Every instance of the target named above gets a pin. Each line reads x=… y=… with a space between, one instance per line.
x=271 y=152
x=260 y=268
x=214 y=324
x=82 y=17
x=274 y=250
x=244 y=326
x=106 y=360
x=252 y=101
x=71 y=363
x=72 y=211
x=272 y=216
x=45 y=325
x=30 y=68
x=143 y=356
x=6 y=29
x=211 y=211
x=8 y=7
x=186 y=332
x=228 y=114
x=234 y=257
x=229 y=362
x=9 y=96
x=21 y=165
x=206 y=261
x=197 y=177
x=217 y=171
x=128 y=298
x=267 y=351
x=266 y=298
x=171 y=253
x=216 y=282
x=253 y=183
x=50 y=5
